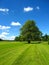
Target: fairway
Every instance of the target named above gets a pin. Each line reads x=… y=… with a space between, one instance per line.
x=21 y=53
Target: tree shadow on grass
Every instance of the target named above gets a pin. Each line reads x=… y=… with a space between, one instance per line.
x=37 y=42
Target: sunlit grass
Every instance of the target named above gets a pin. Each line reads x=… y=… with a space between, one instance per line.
x=21 y=53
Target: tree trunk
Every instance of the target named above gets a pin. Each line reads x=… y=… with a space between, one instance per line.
x=28 y=41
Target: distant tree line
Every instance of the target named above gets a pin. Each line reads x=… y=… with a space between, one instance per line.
x=30 y=32
x=42 y=38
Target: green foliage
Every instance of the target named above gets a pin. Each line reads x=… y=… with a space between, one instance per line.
x=1 y=40
x=45 y=37
x=20 y=38
x=30 y=31
x=48 y=40
x=16 y=38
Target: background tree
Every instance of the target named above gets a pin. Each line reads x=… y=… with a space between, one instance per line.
x=17 y=39
x=45 y=37
x=1 y=39
x=30 y=31
x=48 y=40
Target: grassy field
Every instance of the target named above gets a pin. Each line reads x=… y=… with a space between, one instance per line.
x=20 y=53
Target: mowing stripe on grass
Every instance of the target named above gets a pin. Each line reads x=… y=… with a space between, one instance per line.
x=13 y=52
x=34 y=55
x=41 y=55
x=45 y=54
x=27 y=57
x=21 y=56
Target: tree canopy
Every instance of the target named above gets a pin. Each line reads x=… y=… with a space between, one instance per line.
x=30 y=31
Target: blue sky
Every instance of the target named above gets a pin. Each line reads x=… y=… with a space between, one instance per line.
x=14 y=13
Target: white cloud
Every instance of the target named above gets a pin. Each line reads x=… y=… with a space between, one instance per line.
x=4 y=9
x=4 y=27
x=12 y=38
x=37 y=7
x=15 y=24
x=27 y=9
x=3 y=35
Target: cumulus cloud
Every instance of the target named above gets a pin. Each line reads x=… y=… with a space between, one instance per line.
x=27 y=9
x=15 y=24
x=37 y=7
x=3 y=35
x=12 y=38
x=4 y=27
x=4 y=10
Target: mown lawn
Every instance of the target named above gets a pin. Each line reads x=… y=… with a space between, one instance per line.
x=20 y=53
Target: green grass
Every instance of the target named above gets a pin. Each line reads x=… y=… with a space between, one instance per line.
x=20 y=53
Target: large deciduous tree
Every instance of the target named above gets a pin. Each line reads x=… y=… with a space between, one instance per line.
x=30 y=31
